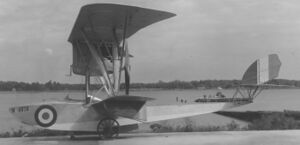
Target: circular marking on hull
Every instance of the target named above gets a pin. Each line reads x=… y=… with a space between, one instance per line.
x=45 y=115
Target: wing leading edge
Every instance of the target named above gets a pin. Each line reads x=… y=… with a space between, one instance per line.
x=100 y=21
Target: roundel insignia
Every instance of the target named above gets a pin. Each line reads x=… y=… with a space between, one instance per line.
x=45 y=115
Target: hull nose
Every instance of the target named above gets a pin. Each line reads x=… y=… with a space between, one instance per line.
x=24 y=113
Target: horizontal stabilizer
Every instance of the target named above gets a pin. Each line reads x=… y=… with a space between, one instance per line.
x=124 y=106
x=262 y=70
x=266 y=86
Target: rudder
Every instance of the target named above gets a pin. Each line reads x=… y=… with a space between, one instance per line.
x=262 y=70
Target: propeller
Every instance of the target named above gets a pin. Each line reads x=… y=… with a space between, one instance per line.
x=127 y=69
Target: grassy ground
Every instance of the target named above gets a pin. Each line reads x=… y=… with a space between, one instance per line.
x=258 y=121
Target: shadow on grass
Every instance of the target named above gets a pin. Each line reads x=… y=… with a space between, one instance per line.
x=190 y=127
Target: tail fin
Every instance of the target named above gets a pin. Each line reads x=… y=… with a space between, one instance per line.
x=262 y=70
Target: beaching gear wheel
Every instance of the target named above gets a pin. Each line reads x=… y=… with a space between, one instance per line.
x=108 y=128
x=45 y=115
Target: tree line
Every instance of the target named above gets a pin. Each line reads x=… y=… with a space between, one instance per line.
x=177 y=84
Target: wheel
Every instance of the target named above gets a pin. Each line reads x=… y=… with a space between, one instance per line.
x=108 y=128
x=72 y=136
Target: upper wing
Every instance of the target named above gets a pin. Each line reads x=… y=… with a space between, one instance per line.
x=100 y=20
x=124 y=106
x=105 y=26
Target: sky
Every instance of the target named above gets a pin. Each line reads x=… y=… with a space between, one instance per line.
x=208 y=39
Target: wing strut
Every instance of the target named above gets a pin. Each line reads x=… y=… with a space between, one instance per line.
x=116 y=66
x=87 y=87
x=122 y=51
x=101 y=64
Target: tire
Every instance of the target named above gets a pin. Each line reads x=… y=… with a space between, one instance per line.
x=108 y=128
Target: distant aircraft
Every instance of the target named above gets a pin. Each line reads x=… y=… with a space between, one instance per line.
x=100 y=50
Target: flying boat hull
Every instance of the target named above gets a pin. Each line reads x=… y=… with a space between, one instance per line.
x=74 y=116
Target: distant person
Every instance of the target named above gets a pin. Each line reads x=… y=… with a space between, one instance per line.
x=67 y=97
x=176 y=99
x=220 y=95
x=223 y=96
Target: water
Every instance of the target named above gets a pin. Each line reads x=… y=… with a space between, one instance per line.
x=269 y=100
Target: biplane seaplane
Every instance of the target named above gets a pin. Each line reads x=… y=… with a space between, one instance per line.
x=100 y=50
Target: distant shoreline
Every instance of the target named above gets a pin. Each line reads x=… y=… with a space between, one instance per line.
x=133 y=90
x=160 y=85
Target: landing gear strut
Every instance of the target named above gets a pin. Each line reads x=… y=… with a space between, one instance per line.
x=108 y=128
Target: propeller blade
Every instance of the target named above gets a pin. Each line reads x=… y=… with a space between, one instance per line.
x=126 y=70
x=127 y=81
